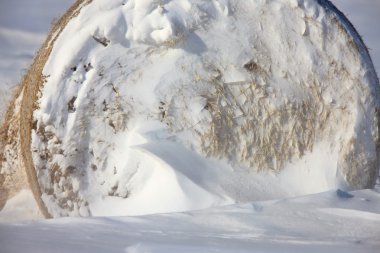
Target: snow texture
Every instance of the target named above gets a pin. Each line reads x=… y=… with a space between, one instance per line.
x=222 y=97
x=171 y=174
x=315 y=223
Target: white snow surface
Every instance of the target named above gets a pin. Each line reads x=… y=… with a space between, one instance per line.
x=33 y=17
x=325 y=222
x=329 y=222
x=194 y=104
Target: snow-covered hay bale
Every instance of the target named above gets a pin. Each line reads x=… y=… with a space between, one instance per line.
x=191 y=103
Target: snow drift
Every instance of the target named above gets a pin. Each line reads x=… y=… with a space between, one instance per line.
x=136 y=107
x=322 y=222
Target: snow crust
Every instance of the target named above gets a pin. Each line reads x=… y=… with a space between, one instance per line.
x=159 y=106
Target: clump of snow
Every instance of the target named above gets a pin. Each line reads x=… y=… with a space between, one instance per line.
x=158 y=106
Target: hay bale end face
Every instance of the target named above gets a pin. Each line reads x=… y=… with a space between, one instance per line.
x=284 y=89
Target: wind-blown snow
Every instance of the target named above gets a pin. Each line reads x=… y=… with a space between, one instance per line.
x=35 y=16
x=279 y=93
x=173 y=176
x=327 y=222
x=20 y=207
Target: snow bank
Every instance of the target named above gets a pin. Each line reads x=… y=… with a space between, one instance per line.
x=157 y=106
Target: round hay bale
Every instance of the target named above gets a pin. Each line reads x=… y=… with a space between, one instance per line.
x=257 y=86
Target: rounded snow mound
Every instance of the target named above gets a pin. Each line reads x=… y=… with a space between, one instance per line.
x=156 y=106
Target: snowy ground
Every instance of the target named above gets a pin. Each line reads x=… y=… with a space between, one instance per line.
x=330 y=222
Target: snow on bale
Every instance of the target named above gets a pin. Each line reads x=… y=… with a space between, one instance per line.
x=142 y=106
